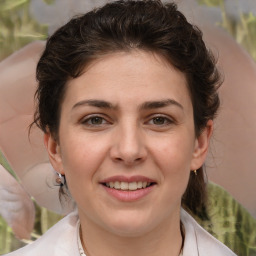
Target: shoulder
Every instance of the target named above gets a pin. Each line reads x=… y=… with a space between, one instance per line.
x=200 y=241
x=58 y=240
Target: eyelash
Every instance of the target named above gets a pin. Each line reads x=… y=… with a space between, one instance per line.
x=88 y=121
x=167 y=120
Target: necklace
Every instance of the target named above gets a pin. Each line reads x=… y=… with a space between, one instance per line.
x=81 y=245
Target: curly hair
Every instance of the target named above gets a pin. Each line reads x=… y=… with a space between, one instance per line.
x=150 y=26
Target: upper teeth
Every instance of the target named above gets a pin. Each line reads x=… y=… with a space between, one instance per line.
x=128 y=185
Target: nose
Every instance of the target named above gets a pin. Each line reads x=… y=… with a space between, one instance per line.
x=129 y=145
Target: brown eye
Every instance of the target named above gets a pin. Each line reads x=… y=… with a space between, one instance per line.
x=159 y=120
x=96 y=120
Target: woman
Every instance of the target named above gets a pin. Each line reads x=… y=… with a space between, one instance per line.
x=126 y=99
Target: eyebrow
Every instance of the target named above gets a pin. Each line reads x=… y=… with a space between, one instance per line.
x=95 y=103
x=145 y=106
x=160 y=104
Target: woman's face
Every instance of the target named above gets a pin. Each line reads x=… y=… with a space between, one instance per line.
x=127 y=142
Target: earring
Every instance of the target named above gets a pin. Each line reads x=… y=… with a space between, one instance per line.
x=60 y=179
x=195 y=172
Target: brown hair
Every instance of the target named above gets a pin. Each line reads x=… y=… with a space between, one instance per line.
x=123 y=26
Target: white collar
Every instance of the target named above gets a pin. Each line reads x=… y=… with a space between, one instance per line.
x=198 y=242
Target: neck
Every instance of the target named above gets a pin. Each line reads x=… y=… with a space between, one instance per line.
x=165 y=240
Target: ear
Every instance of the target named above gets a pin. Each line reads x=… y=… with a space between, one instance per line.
x=53 y=149
x=201 y=146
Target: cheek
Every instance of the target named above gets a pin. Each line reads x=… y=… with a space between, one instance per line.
x=174 y=154
x=173 y=157
x=81 y=157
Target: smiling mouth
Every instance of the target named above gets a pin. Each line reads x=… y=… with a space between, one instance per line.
x=128 y=186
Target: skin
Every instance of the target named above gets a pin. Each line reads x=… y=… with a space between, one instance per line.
x=231 y=151
x=128 y=138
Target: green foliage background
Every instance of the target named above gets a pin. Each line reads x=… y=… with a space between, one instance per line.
x=17 y=26
x=243 y=30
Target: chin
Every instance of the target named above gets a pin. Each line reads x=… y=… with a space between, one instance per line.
x=129 y=231
x=129 y=225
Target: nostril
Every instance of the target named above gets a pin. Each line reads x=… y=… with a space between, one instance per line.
x=118 y=159
x=128 y=161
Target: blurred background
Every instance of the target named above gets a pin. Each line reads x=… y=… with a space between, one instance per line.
x=229 y=28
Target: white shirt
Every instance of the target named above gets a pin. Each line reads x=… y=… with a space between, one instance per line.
x=62 y=240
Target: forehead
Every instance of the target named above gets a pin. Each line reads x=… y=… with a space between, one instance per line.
x=135 y=75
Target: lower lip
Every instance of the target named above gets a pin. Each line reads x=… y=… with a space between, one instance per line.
x=129 y=195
